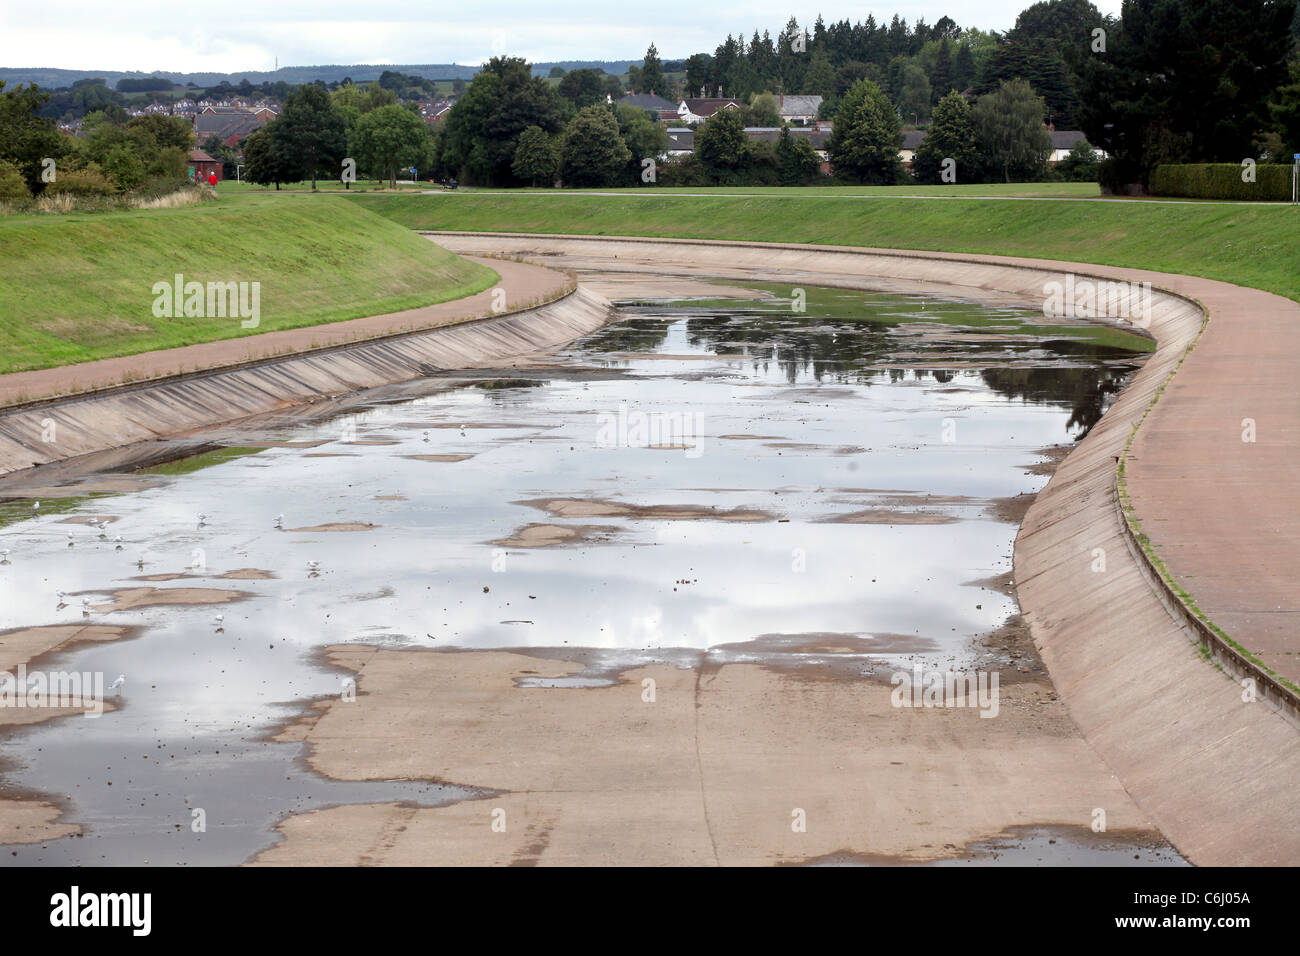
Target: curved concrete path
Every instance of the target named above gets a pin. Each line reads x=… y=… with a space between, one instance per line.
x=1219 y=772
x=524 y=286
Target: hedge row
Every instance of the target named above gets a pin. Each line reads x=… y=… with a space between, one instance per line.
x=1222 y=181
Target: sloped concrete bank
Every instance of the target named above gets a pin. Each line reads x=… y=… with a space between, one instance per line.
x=42 y=433
x=1216 y=770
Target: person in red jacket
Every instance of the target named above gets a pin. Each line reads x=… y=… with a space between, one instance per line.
x=212 y=179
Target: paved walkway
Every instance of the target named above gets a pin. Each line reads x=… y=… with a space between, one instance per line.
x=523 y=285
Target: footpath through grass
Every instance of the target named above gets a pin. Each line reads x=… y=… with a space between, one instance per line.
x=1250 y=245
x=79 y=287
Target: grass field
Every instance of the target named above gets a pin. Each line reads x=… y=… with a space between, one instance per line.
x=79 y=287
x=1002 y=190
x=1254 y=245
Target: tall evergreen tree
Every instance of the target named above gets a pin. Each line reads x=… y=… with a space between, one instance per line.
x=1184 y=81
x=951 y=136
x=866 y=137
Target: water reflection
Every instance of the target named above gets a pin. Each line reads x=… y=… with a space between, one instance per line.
x=867 y=460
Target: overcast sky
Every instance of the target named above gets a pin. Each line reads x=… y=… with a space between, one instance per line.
x=245 y=35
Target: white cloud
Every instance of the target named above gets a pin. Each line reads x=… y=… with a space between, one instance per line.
x=247 y=35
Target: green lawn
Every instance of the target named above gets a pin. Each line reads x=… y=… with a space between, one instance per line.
x=1254 y=245
x=79 y=287
x=1004 y=190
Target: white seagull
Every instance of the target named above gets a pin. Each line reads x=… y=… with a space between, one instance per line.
x=279 y=522
x=4 y=556
x=217 y=620
x=70 y=539
x=118 y=542
x=36 y=507
x=85 y=608
x=203 y=520
x=118 y=684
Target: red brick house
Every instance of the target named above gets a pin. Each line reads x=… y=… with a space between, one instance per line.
x=201 y=164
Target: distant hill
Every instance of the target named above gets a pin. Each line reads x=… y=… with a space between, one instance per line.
x=51 y=78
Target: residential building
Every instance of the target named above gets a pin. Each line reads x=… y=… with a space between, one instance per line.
x=230 y=124
x=798 y=109
x=695 y=111
x=202 y=164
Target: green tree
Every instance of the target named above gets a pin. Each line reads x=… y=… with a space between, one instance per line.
x=866 y=137
x=26 y=138
x=761 y=111
x=124 y=168
x=1047 y=36
x=942 y=75
x=914 y=100
x=164 y=131
x=483 y=127
x=362 y=99
x=12 y=186
x=951 y=136
x=1285 y=112
x=819 y=79
x=652 y=73
x=267 y=155
x=584 y=87
x=644 y=138
x=535 y=156
x=797 y=163
x=721 y=146
x=388 y=139
x=1185 y=81
x=593 y=153
x=1010 y=133
x=313 y=132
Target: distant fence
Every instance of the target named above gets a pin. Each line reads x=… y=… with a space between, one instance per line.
x=1272 y=183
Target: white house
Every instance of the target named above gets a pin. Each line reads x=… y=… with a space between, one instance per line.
x=695 y=111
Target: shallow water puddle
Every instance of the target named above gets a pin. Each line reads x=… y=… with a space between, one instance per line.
x=721 y=480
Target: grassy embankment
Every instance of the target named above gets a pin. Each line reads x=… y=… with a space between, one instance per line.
x=78 y=287
x=1247 y=244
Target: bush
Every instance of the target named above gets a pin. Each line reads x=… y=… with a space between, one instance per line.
x=1120 y=177
x=81 y=182
x=158 y=186
x=683 y=171
x=13 y=188
x=1222 y=181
